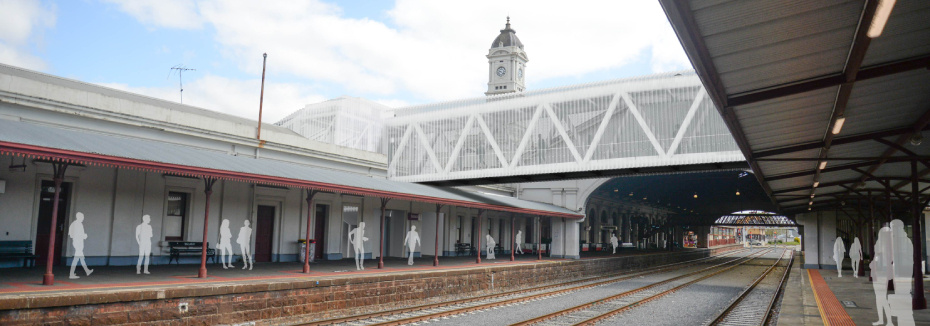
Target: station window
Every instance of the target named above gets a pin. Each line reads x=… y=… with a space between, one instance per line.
x=176 y=215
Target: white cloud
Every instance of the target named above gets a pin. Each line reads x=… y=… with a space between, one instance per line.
x=435 y=49
x=20 y=27
x=428 y=50
x=12 y=56
x=235 y=97
x=180 y=14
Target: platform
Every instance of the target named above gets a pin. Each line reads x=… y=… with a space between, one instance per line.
x=843 y=300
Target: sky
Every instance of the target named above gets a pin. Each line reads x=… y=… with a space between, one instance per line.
x=398 y=53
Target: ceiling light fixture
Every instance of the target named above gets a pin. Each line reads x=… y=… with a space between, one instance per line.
x=916 y=139
x=695 y=195
x=737 y=192
x=838 y=125
x=881 y=18
x=823 y=164
x=816 y=183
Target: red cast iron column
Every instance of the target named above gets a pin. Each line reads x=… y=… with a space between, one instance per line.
x=384 y=202
x=513 y=239
x=478 y=248
x=310 y=194
x=436 y=258
x=208 y=190
x=59 y=170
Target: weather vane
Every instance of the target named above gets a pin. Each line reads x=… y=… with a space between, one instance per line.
x=181 y=69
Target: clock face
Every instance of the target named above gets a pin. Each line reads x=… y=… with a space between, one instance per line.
x=520 y=73
x=501 y=71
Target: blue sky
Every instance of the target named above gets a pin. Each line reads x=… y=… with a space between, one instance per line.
x=398 y=53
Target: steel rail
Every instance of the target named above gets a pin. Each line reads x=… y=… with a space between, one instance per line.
x=634 y=291
x=779 y=291
x=614 y=278
x=719 y=318
x=629 y=306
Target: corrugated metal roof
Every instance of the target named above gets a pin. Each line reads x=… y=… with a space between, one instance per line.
x=790 y=120
x=160 y=152
x=906 y=35
x=885 y=102
x=757 y=44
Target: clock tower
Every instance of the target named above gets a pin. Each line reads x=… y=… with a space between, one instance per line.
x=506 y=63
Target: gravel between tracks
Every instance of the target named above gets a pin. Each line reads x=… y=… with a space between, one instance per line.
x=698 y=303
x=518 y=312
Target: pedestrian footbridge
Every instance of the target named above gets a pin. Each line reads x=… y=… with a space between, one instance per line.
x=652 y=124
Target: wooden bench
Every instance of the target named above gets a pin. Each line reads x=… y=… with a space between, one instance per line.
x=18 y=249
x=187 y=248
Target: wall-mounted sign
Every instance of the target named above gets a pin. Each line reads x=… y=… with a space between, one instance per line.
x=413 y=217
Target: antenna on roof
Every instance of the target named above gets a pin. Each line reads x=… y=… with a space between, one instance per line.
x=181 y=69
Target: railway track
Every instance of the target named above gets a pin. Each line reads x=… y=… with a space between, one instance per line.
x=754 y=305
x=598 y=310
x=492 y=301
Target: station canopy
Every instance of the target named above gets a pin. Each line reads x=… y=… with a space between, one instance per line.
x=94 y=148
x=825 y=104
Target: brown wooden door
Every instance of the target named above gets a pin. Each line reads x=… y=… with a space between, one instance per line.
x=46 y=200
x=264 y=233
x=319 y=234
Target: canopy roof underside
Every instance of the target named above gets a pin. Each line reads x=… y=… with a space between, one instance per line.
x=786 y=74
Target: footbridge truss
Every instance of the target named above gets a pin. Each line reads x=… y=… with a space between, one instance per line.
x=652 y=124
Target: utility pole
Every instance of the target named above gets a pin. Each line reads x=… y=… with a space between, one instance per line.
x=181 y=69
x=261 y=98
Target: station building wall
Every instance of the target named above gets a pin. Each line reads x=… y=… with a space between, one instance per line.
x=114 y=201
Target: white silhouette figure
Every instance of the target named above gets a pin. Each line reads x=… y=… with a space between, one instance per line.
x=357 y=239
x=855 y=254
x=76 y=232
x=412 y=239
x=490 y=247
x=244 y=240
x=519 y=241
x=903 y=266
x=614 y=241
x=224 y=246
x=144 y=239
x=839 y=253
x=880 y=270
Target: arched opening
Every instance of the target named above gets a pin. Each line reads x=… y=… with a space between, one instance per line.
x=754 y=226
x=657 y=211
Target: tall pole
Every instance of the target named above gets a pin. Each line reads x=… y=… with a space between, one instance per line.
x=436 y=258
x=208 y=190
x=918 y=301
x=49 y=277
x=261 y=97
x=513 y=239
x=384 y=202
x=310 y=195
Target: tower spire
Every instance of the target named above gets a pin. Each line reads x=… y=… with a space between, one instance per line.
x=508 y=22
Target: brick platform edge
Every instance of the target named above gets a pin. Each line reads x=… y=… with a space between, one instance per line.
x=303 y=300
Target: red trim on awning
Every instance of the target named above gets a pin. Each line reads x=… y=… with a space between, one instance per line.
x=69 y=156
